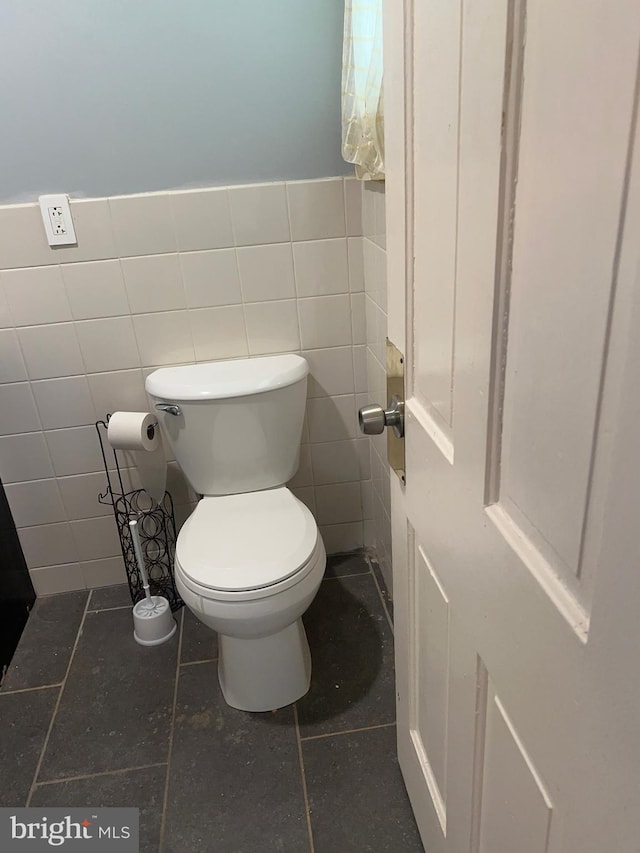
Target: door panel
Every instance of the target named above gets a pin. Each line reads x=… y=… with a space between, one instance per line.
x=514 y=175
x=516 y=809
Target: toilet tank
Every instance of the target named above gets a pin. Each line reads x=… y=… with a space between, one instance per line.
x=238 y=423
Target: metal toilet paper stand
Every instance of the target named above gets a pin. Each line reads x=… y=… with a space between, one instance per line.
x=156 y=526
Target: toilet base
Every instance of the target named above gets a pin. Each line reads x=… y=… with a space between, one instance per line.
x=265 y=673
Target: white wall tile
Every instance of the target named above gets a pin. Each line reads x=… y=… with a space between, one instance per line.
x=259 y=214
x=331 y=371
x=366 y=496
x=105 y=572
x=202 y=219
x=63 y=402
x=272 y=326
x=325 y=321
x=369 y=533
x=342 y=538
x=96 y=538
x=108 y=344
x=51 y=351
x=316 y=209
x=332 y=418
x=368 y=209
x=154 y=283
x=12 y=367
x=266 y=272
x=36 y=295
x=92 y=223
x=22 y=237
x=358 y=318
x=95 y=289
x=48 y=545
x=18 y=411
x=218 y=332
x=353 y=206
x=211 y=278
x=336 y=462
x=360 y=369
x=6 y=320
x=54 y=579
x=339 y=503
x=76 y=451
x=24 y=457
x=122 y=390
x=35 y=502
x=164 y=338
x=356 y=264
x=142 y=224
x=321 y=267
x=79 y=493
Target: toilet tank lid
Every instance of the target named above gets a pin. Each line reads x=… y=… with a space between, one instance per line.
x=219 y=380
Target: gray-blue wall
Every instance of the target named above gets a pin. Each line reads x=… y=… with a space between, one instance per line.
x=101 y=97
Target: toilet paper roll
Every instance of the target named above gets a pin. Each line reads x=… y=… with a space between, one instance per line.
x=133 y=431
x=139 y=434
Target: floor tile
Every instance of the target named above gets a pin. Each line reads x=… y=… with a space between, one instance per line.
x=24 y=722
x=110 y=596
x=198 y=641
x=115 y=710
x=235 y=783
x=43 y=653
x=349 y=810
x=339 y=565
x=352 y=680
x=142 y=789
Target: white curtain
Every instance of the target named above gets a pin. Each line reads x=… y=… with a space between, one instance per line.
x=362 y=98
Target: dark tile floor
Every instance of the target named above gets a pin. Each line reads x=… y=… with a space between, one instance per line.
x=89 y=718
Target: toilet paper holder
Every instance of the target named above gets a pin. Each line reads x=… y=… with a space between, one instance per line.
x=156 y=525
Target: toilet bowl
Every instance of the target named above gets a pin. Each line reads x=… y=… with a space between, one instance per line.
x=249 y=559
x=248 y=566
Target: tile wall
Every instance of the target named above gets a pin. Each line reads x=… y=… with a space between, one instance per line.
x=378 y=528
x=173 y=278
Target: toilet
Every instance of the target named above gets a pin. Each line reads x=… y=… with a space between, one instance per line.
x=249 y=559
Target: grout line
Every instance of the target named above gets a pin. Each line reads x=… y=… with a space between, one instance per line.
x=384 y=603
x=194 y=662
x=340 y=577
x=165 y=799
x=57 y=705
x=97 y=775
x=30 y=689
x=347 y=732
x=303 y=778
x=109 y=609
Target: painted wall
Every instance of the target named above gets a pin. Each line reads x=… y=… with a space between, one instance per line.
x=106 y=97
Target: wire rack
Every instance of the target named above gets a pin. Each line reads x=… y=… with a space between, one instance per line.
x=156 y=525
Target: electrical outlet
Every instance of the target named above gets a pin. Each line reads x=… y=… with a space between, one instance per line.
x=58 y=224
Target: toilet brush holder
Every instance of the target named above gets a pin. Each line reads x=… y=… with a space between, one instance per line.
x=153 y=622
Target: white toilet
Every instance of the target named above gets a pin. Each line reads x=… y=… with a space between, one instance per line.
x=249 y=559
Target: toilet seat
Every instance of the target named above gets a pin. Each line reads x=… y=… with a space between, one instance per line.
x=242 y=546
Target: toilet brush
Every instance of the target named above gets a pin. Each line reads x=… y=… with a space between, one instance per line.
x=152 y=620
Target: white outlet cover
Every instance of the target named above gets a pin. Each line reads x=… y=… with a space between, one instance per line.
x=56 y=216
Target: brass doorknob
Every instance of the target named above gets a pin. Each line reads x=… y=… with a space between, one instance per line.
x=373 y=419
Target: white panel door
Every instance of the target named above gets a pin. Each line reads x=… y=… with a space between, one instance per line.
x=513 y=219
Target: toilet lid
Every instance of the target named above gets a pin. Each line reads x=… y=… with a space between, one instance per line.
x=247 y=541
